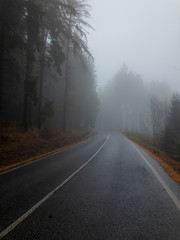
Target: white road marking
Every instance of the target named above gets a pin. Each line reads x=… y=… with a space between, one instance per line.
x=39 y=159
x=170 y=193
x=25 y=215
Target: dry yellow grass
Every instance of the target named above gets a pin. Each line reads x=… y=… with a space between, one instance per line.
x=171 y=166
x=18 y=147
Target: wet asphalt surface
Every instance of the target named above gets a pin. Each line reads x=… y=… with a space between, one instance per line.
x=116 y=196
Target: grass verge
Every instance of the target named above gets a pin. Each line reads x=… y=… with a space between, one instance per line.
x=18 y=147
x=171 y=166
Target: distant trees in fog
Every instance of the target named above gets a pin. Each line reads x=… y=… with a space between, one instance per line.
x=159 y=113
x=37 y=42
x=147 y=110
x=171 y=138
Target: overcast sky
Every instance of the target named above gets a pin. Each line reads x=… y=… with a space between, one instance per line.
x=144 y=34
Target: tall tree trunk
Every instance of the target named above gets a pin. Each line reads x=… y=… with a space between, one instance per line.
x=3 y=29
x=66 y=88
x=41 y=75
x=29 y=72
x=42 y=63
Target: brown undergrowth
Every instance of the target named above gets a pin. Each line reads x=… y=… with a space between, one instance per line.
x=171 y=166
x=18 y=147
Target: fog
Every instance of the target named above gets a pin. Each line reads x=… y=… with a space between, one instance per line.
x=47 y=74
x=136 y=46
x=78 y=78
x=143 y=34
x=49 y=81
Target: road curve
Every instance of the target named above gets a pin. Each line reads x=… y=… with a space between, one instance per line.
x=118 y=192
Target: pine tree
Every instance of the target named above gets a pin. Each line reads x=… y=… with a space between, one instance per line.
x=171 y=142
x=11 y=38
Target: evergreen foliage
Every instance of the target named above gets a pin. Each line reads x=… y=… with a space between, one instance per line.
x=171 y=140
x=33 y=43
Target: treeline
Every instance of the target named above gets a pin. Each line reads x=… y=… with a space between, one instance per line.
x=150 y=111
x=47 y=75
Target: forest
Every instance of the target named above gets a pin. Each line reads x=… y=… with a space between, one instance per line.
x=47 y=74
x=149 y=111
x=90 y=119
x=48 y=79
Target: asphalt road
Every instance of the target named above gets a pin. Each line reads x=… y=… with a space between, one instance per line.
x=104 y=188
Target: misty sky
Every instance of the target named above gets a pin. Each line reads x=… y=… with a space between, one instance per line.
x=144 y=34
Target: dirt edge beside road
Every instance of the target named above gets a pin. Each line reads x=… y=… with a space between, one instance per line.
x=19 y=148
x=171 y=167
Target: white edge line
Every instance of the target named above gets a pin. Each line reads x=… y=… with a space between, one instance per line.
x=30 y=211
x=170 y=193
x=41 y=158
